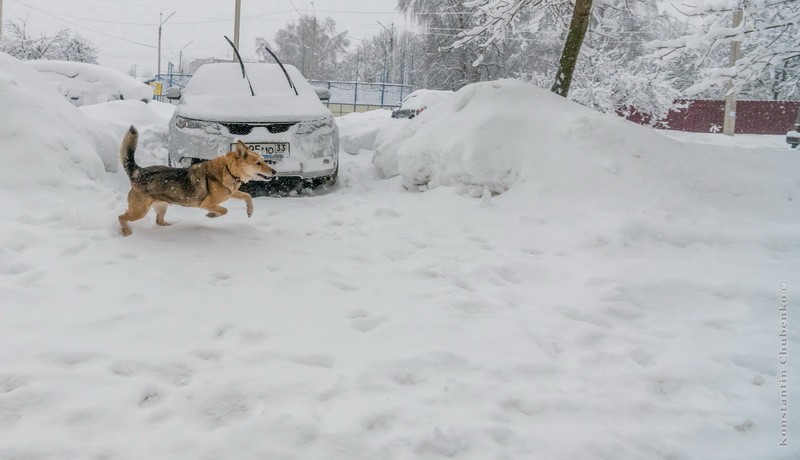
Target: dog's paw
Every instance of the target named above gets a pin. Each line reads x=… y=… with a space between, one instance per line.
x=249 y=212
x=212 y=215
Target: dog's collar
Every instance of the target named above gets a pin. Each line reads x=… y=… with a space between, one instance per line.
x=235 y=177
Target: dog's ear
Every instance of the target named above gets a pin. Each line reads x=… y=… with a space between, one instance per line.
x=241 y=149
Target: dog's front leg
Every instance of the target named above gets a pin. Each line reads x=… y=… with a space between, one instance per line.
x=215 y=210
x=247 y=199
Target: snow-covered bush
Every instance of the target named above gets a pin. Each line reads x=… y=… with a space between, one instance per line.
x=64 y=44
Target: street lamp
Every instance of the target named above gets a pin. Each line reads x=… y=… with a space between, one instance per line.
x=161 y=23
x=180 y=57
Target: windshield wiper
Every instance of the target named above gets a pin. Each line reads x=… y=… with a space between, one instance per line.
x=244 y=74
x=291 y=83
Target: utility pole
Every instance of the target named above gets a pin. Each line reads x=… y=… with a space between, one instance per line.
x=161 y=23
x=180 y=58
x=236 y=25
x=311 y=60
x=729 y=121
x=355 y=93
x=391 y=48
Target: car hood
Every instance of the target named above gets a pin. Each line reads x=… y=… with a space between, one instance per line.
x=251 y=108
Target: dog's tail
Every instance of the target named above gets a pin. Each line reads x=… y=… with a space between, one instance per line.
x=126 y=152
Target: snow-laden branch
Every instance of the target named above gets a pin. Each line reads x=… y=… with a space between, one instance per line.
x=497 y=19
x=768 y=34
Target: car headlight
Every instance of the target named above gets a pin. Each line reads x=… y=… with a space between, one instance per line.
x=316 y=125
x=188 y=123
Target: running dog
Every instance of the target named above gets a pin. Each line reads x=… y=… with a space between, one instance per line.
x=203 y=185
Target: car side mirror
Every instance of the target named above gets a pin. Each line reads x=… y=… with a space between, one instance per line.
x=324 y=94
x=173 y=93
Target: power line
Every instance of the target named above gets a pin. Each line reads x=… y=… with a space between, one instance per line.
x=149 y=8
x=90 y=20
x=82 y=26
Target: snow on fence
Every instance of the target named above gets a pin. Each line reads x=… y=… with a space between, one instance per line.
x=752 y=117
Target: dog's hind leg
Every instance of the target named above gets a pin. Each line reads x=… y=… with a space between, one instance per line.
x=161 y=209
x=138 y=205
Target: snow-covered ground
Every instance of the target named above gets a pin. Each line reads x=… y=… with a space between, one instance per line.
x=618 y=300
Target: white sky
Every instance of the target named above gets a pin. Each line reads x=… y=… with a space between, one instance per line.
x=126 y=32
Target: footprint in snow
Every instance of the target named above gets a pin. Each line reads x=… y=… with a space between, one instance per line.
x=315 y=360
x=223 y=408
x=369 y=323
x=149 y=397
x=386 y=212
x=221 y=279
x=75 y=249
x=343 y=285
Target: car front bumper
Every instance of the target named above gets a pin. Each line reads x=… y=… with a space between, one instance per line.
x=311 y=154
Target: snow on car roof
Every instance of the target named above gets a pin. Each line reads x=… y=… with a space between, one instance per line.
x=425 y=98
x=225 y=79
x=219 y=92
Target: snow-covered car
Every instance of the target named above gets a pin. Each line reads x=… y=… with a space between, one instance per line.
x=420 y=100
x=85 y=84
x=793 y=137
x=282 y=119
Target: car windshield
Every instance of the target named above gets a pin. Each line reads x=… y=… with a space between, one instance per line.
x=226 y=80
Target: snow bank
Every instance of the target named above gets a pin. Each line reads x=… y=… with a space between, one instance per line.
x=43 y=139
x=360 y=130
x=84 y=84
x=152 y=121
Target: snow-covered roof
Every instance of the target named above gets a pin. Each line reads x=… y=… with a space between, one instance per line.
x=84 y=84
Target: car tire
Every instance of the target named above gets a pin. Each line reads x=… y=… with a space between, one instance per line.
x=327 y=181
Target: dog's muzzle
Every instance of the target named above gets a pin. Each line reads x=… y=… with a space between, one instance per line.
x=266 y=177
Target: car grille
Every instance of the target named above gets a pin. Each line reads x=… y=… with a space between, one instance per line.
x=242 y=129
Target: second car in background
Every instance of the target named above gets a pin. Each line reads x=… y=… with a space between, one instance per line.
x=420 y=100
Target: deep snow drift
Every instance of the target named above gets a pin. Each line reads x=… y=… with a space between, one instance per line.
x=45 y=140
x=617 y=301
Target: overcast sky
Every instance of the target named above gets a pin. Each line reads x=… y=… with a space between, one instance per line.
x=126 y=32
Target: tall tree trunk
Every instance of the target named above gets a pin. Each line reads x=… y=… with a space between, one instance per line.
x=572 y=47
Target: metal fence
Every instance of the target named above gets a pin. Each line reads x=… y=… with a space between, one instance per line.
x=346 y=96
x=358 y=93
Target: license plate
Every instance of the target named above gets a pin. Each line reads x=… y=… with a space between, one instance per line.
x=268 y=150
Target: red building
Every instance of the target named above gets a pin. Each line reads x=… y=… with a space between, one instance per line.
x=752 y=117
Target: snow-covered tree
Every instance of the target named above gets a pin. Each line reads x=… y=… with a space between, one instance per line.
x=63 y=45
x=312 y=45
x=448 y=67
x=497 y=19
x=592 y=52
x=769 y=35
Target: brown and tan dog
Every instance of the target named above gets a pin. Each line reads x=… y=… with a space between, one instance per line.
x=203 y=185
